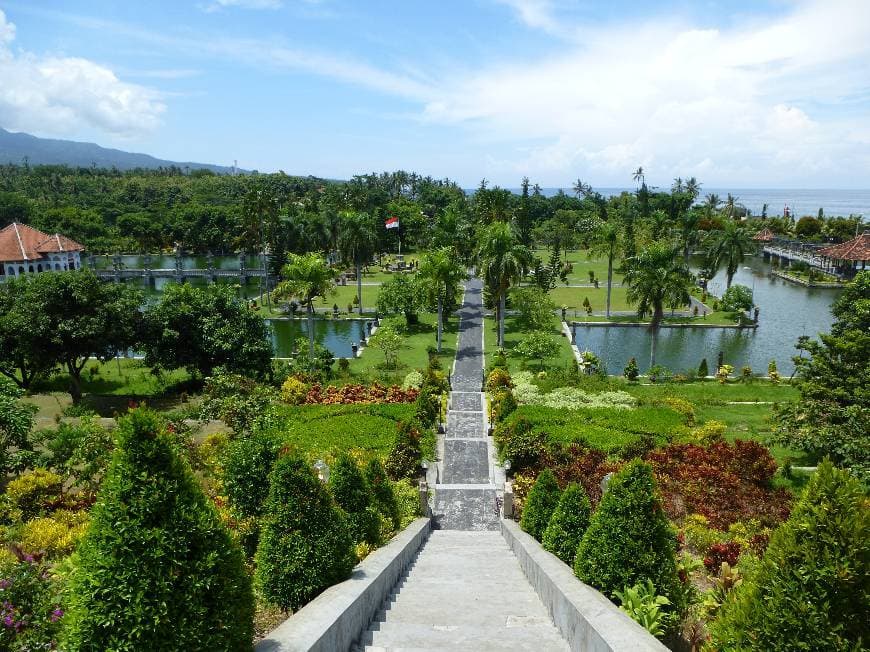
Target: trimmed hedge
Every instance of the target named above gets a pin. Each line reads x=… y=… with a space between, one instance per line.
x=351 y=493
x=305 y=542
x=383 y=494
x=540 y=505
x=811 y=591
x=629 y=540
x=568 y=523
x=156 y=570
x=247 y=463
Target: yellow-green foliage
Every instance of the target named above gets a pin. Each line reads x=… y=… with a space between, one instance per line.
x=707 y=433
x=498 y=379
x=293 y=391
x=408 y=499
x=522 y=485
x=698 y=535
x=682 y=406
x=55 y=535
x=34 y=493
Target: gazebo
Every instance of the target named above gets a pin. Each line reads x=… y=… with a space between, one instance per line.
x=765 y=235
x=846 y=256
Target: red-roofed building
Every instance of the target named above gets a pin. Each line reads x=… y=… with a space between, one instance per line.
x=765 y=235
x=25 y=250
x=849 y=254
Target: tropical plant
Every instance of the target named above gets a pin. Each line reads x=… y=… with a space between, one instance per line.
x=540 y=504
x=16 y=420
x=357 y=243
x=152 y=515
x=737 y=298
x=388 y=340
x=728 y=246
x=442 y=276
x=503 y=262
x=810 y=591
x=402 y=293
x=606 y=242
x=644 y=605
x=537 y=345
x=305 y=542
x=534 y=308
x=306 y=276
x=568 y=523
x=657 y=278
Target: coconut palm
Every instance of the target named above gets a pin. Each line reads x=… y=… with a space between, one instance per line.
x=606 y=242
x=306 y=277
x=728 y=246
x=656 y=277
x=357 y=243
x=687 y=225
x=712 y=202
x=504 y=262
x=638 y=175
x=442 y=275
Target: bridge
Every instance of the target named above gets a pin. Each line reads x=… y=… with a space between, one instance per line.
x=120 y=273
x=797 y=251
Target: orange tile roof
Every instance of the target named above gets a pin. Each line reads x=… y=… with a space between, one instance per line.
x=21 y=242
x=765 y=235
x=856 y=249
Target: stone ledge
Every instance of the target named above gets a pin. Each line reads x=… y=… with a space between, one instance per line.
x=336 y=618
x=587 y=620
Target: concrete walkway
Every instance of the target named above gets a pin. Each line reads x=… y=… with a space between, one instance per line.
x=465 y=591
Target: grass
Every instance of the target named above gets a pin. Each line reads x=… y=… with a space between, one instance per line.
x=711 y=392
x=324 y=431
x=370 y=365
x=573 y=298
x=119 y=377
x=582 y=264
x=514 y=336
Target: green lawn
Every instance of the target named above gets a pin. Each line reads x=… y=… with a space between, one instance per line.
x=582 y=264
x=573 y=298
x=370 y=365
x=514 y=336
x=120 y=377
x=710 y=392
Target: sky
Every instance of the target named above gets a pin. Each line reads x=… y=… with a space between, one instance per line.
x=749 y=94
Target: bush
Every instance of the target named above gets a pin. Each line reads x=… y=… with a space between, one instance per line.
x=503 y=403
x=30 y=613
x=737 y=298
x=404 y=459
x=810 y=591
x=383 y=494
x=540 y=505
x=53 y=536
x=645 y=607
x=631 y=371
x=568 y=523
x=427 y=407
x=629 y=539
x=35 y=493
x=721 y=553
x=351 y=493
x=79 y=452
x=703 y=370
x=293 y=391
x=518 y=442
x=413 y=380
x=305 y=542
x=156 y=569
x=499 y=378
x=247 y=463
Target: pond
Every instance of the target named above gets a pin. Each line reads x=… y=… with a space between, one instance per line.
x=787 y=311
x=164 y=261
x=336 y=335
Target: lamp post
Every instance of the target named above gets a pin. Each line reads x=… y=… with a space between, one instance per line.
x=322 y=469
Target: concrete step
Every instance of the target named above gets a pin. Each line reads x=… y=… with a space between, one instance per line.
x=465 y=508
x=466 y=401
x=466 y=461
x=465 y=424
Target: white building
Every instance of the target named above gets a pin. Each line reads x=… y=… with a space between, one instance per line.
x=25 y=250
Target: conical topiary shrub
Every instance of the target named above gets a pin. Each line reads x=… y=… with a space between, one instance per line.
x=351 y=492
x=568 y=523
x=383 y=495
x=156 y=570
x=305 y=542
x=540 y=504
x=811 y=591
x=629 y=539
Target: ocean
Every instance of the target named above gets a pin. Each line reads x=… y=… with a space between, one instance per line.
x=800 y=202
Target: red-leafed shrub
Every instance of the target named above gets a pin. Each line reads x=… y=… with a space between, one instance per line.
x=575 y=463
x=724 y=482
x=721 y=552
x=356 y=394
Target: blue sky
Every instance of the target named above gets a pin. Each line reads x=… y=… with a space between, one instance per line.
x=743 y=94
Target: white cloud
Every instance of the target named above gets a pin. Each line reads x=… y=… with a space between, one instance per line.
x=242 y=4
x=537 y=14
x=738 y=105
x=60 y=95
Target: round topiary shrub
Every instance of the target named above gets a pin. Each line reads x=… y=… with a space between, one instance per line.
x=247 y=463
x=540 y=504
x=305 y=542
x=811 y=590
x=383 y=494
x=156 y=569
x=629 y=539
x=568 y=523
x=351 y=493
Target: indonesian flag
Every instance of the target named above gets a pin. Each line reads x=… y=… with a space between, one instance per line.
x=392 y=223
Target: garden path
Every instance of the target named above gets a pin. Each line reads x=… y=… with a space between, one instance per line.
x=465 y=591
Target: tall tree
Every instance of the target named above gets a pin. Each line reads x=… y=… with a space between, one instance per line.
x=606 y=242
x=306 y=277
x=504 y=262
x=729 y=246
x=442 y=276
x=357 y=243
x=259 y=219
x=23 y=332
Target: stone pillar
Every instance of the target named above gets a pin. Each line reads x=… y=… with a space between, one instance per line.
x=508 y=505
x=423 y=492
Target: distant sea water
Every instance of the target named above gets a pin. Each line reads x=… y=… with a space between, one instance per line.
x=800 y=202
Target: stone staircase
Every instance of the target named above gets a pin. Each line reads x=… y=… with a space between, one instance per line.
x=465 y=591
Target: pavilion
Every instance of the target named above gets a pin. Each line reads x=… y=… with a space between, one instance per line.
x=764 y=236
x=25 y=250
x=846 y=256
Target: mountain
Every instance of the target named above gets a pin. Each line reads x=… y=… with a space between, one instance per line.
x=14 y=147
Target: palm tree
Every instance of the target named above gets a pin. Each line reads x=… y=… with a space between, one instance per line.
x=606 y=242
x=657 y=277
x=729 y=246
x=357 y=243
x=638 y=175
x=581 y=189
x=693 y=187
x=504 y=263
x=688 y=221
x=443 y=274
x=730 y=205
x=712 y=203
x=307 y=276
x=259 y=210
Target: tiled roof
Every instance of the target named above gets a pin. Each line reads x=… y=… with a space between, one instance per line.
x=856 y=249
x=21 y=242
x=765 y=235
